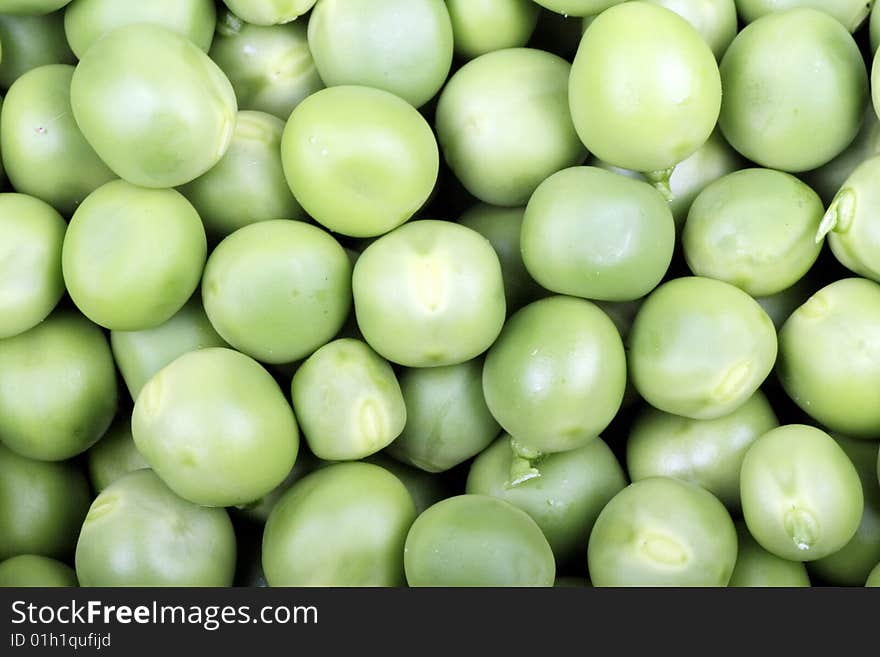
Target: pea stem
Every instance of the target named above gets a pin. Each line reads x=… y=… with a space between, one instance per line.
x=660 y=180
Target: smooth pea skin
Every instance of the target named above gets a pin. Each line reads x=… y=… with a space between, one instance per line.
x=755 y=567
x=278 y=290
x=700 y=348
x=139 y=533
x=567 y=497
x=44 y=152
x=29 y=42
x=645 y=91
x=150 y=127
x=476 y=541
x=795 y=88
x=216 y=428
x=504 y=126
x=874 y=29
x=57 y=388
x=827 y=357
x=115 y=455
x=636 y=541
x=755 y=229
x=447 y=420
x=344 y=525
x=708 y=453
x=429 y=294
x=42 y=505
x=32 y=570
x=555 y=378
x=874 y=578
x=801 y=495
x=361 y=161
x=30 y=7
x=578 y=7
x=269 y=12
x=86 y=21
x=483 y=26
x=595 y=234
x=715 y=20
x=31 y=283
x=133 y=256
x=850 y=13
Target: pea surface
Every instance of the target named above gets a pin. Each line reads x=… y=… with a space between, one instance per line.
x=269 y=12
x=715 y=20
x=850 y=13
x=29 y=42
x=33 y=570
x=755 y=567
x=115 y=455
x=488 y=25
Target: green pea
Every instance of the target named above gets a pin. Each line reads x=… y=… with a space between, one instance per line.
x=564 y=500
x=42 y=505
x=447 y=420
x=150 y=127
x=425 y=488
x=795 y=89
x=786 y=512
x=578 y=7
x=755 y=567
x=591 y=233
x=269 y=12
x=430 y=293
x=700 y=348
x=781 y=305
x=30 y=7
x=489 y=25
x=270 y=67
x=216 y=428
x=33 y=570
x=115 y=455
x=31 y=284
x=715 y=20
x=344 y=525
x=139 y=533
x=874 y=28
x=57 y=388
x=755 y=229
x=555 y=378
x=133 y=256
x=637 y=541
x=656 y=60
x=477 y=541
x=361 y=161
x=86 y=21
x=29 y=42
x=827 y=361
x=277 y=290
x=499 y=155
x=874 y=578
x=850 y=13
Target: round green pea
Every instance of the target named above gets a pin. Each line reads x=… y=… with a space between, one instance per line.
x=361 y=161
x=715 y=20
x=33 y=570
x=216 y=428
x=42 y=505
x=344 y=525
x=801 y=495
x=874 y=29
x=489 y=25
x=278 y=290
x=555 y=378
x=269 y=12
x=477 y=541
x=504 y=126
x=115 y=455
x=31 y=283
x=139 y=533
x=29 y=42
x=31 y=7
x=850 y=13
x=429 y=293
x=700 y=348
x=638 y=541
x=578 y=7
x=795 y=89
x=151 y=127
x=755 y=567
x=594 y=234
x=874 y=578
x=57 y=388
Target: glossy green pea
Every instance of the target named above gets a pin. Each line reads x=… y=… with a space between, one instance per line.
x=30 y=7
x=827 y=361
x=477 y=540
x=139 y=533
x=277 y=290
x=874 y=27
x=700 y=348
x=755 y=229
x=801 y=495
x=594 y=234
x=42 y=505
x=269 y=12
x=781 y=305
x=755 y=567
x=270 y=67
x=86 y=21
x=500 y=155
x=706 y=452
x=447 y=420
x=57 y=388
x=45 y=154
x=874 y=578
x=429 y=293
x=33 y=570
x=578 y=7
x=481 y=26
x=564 y=500
x=29 y=42
x=150 y=127
x=216 y=428
x=31 y=284
x=133 y=256
x=850 y=13
x=425 y=488
x=555 y=378
x=795 y=88
x=344 y=525
x=361 y=161
x=636 y=541
x=715 y=20
x=115 y=455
